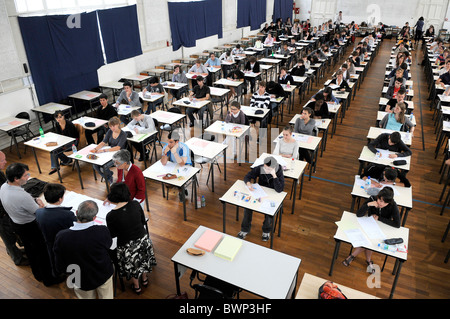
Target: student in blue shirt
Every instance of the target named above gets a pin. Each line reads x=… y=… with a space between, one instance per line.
x=176 y=151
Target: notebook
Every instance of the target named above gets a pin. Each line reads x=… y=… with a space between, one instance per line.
x=208 y=240
x=228 y=248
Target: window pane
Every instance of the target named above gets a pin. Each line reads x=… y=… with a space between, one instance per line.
x=88 y=3
x=35 y=5
x=53 y=4
x=21 y=5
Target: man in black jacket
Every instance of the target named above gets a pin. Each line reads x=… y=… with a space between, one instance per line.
x=104 y=112
x=392 y=142
x=270 y=174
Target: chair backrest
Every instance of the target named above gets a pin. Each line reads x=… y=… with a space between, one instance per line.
x=174 y=110
x=315 y=131
x=23 y=115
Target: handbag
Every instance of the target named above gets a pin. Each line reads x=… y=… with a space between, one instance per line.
x=169 y=176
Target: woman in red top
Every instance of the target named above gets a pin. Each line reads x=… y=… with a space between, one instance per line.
x=130 y=174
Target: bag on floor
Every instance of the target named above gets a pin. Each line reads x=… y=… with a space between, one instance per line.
x=330 y=290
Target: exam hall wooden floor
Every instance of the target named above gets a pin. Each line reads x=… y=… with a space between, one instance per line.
x=308 y=234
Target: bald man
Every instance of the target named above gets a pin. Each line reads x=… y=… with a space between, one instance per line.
x=6 y=233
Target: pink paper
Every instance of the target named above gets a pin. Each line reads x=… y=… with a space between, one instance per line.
x=208 y=240
x=86 y=150
x=15 y=123
x=200 y=143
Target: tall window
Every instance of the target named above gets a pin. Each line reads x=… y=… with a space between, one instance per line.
x=64 y=6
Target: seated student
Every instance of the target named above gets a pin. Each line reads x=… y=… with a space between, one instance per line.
x=175 y=151
x=178 y=76
x=397 y=121
x=212 y=62
x=239 y=76
x=66 y=128
x=261 y=99
x=398 y=73
x=381 y=176
x=104 y=112
x=306 y=61
x=393 y=90
x=284 y=77
x=141 y=124
x=354 y=59
x=345 y=72
x=157 y=89
x=340 y=83
x=443 y=80
x=269 y=174
x=400 y=48
x=401 y=94
x=305 y=124
x=198 y=69
x=284 y=50
x=200 y=92
x=238 y=50
x=391 y=142
x=276 y=91
x=382 y=208
x=252 y=65
x=235 y=115
x=319 y=106
x=445 y=67
x=128 y=96
x=268 y=43
x=298 y=69
x=287 y=146
x=116 y=139
x=227 y=57
x=131 y=175
x=53 y=217
x=266 y=28
x=328 y=96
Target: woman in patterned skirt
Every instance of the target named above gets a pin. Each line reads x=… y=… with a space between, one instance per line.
x=135 y=256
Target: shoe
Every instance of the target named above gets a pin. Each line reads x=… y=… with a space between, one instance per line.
x=347 y=261
x=144 y=283
x=53 y=171
x=23 y=262
x=242 y=234
x=67 y=163
x=137 y=290
x=370 y=268
x=265 y=236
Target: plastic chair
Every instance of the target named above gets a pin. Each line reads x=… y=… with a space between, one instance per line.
x=212 y=288
x=23 y=131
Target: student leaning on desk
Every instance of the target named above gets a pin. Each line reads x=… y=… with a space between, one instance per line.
x=392 y=142
x=269 y=174
x=382 y=208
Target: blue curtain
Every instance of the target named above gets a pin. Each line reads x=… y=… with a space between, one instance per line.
x=251 y=13
x=190 y=21
x=282 y=9
x=62 y=60
x=120 y=33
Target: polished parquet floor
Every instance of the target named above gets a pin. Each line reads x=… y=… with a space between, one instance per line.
x=307 y=234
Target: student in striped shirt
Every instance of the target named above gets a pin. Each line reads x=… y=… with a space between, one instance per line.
x=261 y=99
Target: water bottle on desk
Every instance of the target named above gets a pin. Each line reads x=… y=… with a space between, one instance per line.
x=292 y=164
x=41 y=132
x=74 y=148
x=367 y=184
x=391 y=248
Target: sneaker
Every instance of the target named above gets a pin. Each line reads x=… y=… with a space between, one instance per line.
x=242 y=234
x=265 y=236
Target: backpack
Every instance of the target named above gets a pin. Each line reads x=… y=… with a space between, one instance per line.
x=330 y=290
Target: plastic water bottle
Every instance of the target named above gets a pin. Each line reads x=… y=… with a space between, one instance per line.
x=411 y=116
x=367 y=184
x=203 y=201
x=378 y=155
x=292 y=164
x=391 y=248
x=74 y=148
x=199 y=203
x=41 y=132
x=288 y=84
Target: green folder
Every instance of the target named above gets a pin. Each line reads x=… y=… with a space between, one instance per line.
x=228 y=248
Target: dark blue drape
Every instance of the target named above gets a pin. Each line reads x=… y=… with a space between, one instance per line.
x=120 y=33
x=62 y=60
x=251 y=13
x=282 y=9
x=194 y=20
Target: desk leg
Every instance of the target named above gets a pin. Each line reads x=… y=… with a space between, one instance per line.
x=224 y=212
x=212 y=175
x=335 y=254
x=15 y=143
x=79 y=174
x=301 y=187
x=394 y=285
x=58 y=167
x=295 y=182
x=353 y=203
x=225 y=164
x=36 y=159
x=146 y=196
x=183 y=197
x=177 y=280
x=194 y=180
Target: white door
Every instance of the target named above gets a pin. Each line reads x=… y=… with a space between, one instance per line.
x=433 y=12
x=322 y=11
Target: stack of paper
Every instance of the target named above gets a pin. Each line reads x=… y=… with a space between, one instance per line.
x=228 y=248
x=208 y=240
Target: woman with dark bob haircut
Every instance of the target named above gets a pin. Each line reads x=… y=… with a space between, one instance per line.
x=127 y=222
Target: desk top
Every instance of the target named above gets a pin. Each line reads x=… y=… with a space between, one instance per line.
x=167 y=117
x=84 y=119
x=295 y=173
x=184 y=174
x=349 y=222
x=102 y=158
x=205 y=148
x=150 y=97
x=227 y=82
x=39 y=142
x=137 y=77
x=374 y=132
x=173 y=85
x=381 y=115
x=10 y=123
x=402 y=195
x=384 y=101
x=195 y=104
x=321 y=124
x=51 y=108
x=250 y=111
x=269 y=60
x=262 y=206
x=215 y=91
x=85 y=95
x=367 y=156
x=309 y=289
x=249 y=268
x=220 y=127
x=307 y=142
x=113 y=85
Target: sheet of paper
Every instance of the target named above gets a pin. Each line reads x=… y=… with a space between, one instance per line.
x=257 y=192
x=158 y=167
x=269 y=206
x=371 y=228
x=357 y=238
